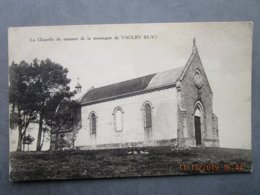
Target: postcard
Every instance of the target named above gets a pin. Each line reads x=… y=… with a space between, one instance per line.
x=129 y=100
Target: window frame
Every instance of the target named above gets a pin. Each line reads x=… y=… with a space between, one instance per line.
x=91 y=123
x=118 y=109
x=145 y=114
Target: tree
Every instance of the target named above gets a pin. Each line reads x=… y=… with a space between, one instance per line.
x=21 y=98
x=27 y=140
x=52 y=87
x=35 y=91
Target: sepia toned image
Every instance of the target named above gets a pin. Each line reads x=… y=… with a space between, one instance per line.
x=129 y=100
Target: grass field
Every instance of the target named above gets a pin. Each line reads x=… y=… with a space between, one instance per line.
x=128 y=162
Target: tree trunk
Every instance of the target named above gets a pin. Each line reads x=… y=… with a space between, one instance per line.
x=39 y=138
x=19 y=144
x=20 y=133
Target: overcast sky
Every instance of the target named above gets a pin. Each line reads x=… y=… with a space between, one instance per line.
x=225 y=50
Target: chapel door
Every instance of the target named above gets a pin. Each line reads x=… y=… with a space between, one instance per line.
x=197 y=130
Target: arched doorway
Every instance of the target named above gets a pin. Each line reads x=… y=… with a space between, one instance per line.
x=198 y=122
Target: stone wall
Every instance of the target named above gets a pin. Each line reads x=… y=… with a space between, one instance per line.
x=164 y=119
x=190 y=94
x=62 y=141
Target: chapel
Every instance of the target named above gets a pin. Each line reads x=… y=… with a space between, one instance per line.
x=173 y=107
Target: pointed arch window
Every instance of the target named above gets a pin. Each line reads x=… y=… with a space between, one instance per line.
x=147 y=116
x=147 y=113
x=93 y=123
x=118 y=119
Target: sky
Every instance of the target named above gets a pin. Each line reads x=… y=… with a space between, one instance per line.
x=104 y=54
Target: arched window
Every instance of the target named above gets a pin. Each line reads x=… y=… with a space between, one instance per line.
x=118 y=119
x=93 y=123
x=198 y=79
x=147 y=115
x=197 y=112
x=197 y=73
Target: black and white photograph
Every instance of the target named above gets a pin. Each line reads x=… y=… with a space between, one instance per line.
x=129 y=100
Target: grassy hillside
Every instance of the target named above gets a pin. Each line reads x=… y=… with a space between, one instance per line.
x=128 y=162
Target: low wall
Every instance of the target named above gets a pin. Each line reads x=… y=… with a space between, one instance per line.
x=166 y=142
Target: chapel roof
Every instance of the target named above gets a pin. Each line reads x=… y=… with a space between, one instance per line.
x=138 y=85
x=131 y=87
